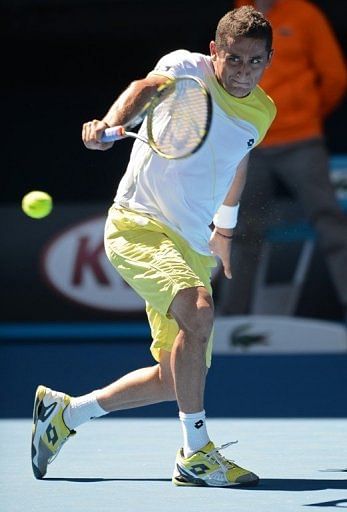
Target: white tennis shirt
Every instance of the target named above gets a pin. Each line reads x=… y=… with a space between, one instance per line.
x=185 y=194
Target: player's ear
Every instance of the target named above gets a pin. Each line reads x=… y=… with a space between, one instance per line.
x=213 y=50
x=269 y=58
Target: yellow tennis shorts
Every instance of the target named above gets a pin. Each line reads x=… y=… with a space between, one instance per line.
x=156 y=262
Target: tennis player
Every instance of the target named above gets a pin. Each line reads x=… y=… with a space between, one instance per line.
x=158 y=237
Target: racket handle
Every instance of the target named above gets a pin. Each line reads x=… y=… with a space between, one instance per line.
x=112 y=134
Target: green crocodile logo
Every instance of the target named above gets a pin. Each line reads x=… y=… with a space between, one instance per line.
x=241 y=337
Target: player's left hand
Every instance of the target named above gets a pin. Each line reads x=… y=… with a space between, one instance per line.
x=221 y=247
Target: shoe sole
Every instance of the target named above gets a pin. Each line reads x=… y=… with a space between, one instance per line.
x=181 y=483
x=36 y=449
x=198 y=482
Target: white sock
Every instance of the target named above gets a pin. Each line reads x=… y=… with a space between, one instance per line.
x=194 y=432
x=81 y=409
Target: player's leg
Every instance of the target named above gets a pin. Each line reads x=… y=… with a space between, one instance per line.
x=192 y=309
x=139 y=388
x=199 y=462
x=56 y=414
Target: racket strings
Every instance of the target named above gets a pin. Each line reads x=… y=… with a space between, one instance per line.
x=180 y=120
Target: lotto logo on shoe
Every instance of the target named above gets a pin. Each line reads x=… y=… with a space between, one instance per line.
x=52 y=435
x=198 y=424
x=199 y=469
x=75 y=265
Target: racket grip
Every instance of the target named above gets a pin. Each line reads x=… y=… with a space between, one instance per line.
x=112 y=134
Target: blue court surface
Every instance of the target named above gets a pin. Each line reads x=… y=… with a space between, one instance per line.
x=126 y=465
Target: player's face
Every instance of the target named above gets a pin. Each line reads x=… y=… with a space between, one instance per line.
x=240 y=65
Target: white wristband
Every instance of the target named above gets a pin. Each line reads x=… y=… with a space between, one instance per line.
x=226 y=216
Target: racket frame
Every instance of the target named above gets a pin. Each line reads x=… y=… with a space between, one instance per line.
x=148 y=111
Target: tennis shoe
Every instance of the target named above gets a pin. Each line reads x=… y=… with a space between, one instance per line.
x=207 y=467
x=49 y=431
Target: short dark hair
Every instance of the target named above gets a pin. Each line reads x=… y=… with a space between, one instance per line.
x=244 y=22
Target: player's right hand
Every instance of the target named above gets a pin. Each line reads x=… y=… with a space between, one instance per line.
x=221 y=247
x=91 y=135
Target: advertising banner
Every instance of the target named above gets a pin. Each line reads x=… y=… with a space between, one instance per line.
x=56 y=269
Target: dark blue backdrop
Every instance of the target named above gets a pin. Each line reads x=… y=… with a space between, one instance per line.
x=237 y=386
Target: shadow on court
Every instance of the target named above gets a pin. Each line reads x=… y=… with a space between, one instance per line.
x=334 y=503
x=91 y=480
x=265 y=484
x=299 y=484
x=334 y=470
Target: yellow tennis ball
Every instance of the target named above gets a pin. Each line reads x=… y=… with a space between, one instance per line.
x=37 y=204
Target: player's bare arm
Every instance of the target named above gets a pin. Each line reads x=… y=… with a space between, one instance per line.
x=126 y=108
x=221 y=238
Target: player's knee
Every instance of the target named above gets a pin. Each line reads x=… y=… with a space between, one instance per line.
x=199 y=322
x=194 y=312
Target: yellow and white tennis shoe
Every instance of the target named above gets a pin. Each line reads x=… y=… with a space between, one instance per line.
x=208 y=467
x=49 y=431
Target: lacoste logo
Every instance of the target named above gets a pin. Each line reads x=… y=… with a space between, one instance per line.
x=45 y=412
x=250 y=143
x=240 y=338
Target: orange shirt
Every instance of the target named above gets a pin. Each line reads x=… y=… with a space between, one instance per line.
x=307 y=77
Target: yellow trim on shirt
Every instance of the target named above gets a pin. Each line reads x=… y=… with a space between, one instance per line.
x=257 y=108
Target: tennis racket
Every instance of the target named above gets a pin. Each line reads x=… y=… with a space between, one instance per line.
x=178 y=119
